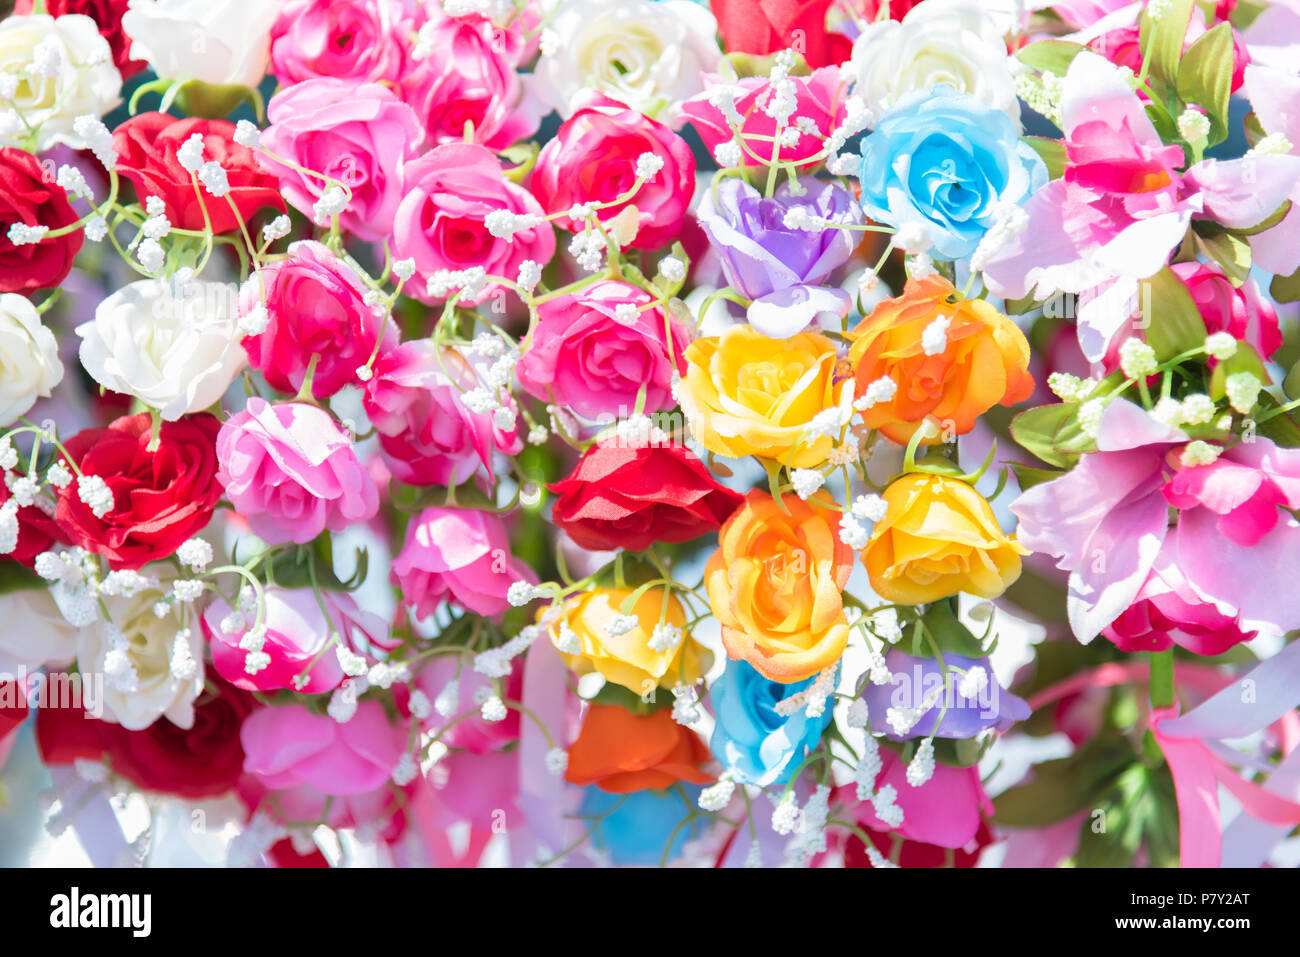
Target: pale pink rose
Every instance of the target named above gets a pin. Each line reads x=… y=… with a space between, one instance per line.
x=449 y=192
x=472 y=733
x=458 y=555
x=427 y=434
x=819 y=98
x=290 y=747
x=356 y=133
x=315 y=303
x=593 y=159
x=348 y=39
x=582 y=354
x=469 y=76
x=292 y=472
x=296 y=633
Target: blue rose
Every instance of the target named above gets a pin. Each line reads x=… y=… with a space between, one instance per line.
x=755 y=743
x=635 y=828
x=947 y=161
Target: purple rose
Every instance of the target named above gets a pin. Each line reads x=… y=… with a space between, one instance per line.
x=779 y=267
x=910 y=704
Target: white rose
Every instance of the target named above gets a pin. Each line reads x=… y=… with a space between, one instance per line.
x=29 y=358
x=941 y=41
x=64 y=69
x=647 y=55
x=175 y=353
x=35 y=632
x=150 y=666
x=215 y=41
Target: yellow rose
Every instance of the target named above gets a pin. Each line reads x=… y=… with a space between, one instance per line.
x=746 y=394
x=938 y=538
x=628 y=659
x=776 y=585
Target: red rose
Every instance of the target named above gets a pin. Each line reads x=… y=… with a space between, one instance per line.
x=36 y=532
x=620 y=497
x=160 y=498
x=107 y=15
x=765 y=26
x=204 y=760
x=146 y=147
x=13 y=710
x=29 y=195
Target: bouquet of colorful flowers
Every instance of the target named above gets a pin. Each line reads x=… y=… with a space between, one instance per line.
x=571 y=432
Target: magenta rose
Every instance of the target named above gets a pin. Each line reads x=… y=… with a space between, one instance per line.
x=290 y=747
x=362 y=40
x=462 y=74
x=296 y=632
x=427 y=434
x=594 y=349
x=1243 y=313
x=1169 y=610
x=292 y=473
x=593 y=159
x=357 y=133
x=440 y=221
x=457 y=555
x=819 y=99
x=315 y=305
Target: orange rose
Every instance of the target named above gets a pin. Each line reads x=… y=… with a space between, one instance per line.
x=621 y=752
x=978 y=360
x=776 y=584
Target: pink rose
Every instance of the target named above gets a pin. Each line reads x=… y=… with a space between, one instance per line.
x=315 y=303
x=440 y=221
x=290 y=747
x=585 y=355
x=296 y=632
x=458 y=555
x=469 y=76
x=1243 y=313
x=357 y=133
x=427 y=434
x=291 y=472
x=819 y=97
x=348 y=39
x=593 y=159
x=452 y=684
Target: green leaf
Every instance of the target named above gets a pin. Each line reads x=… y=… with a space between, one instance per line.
x=1163 y=43
x=1282 y=429
x=1036 y=429
x=16 y=577
x=1205 y=78
x=1175 y=324
x=948 y=633
x=1230 y=252
x=1050 y=56
x=1245 y=359
x=1027 y=476
x=655 y=698
x=1291 y=384
x=1285 y=288
x=1051 y=151
x=1064 y=786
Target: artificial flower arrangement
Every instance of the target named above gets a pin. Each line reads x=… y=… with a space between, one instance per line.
x=611 y=431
